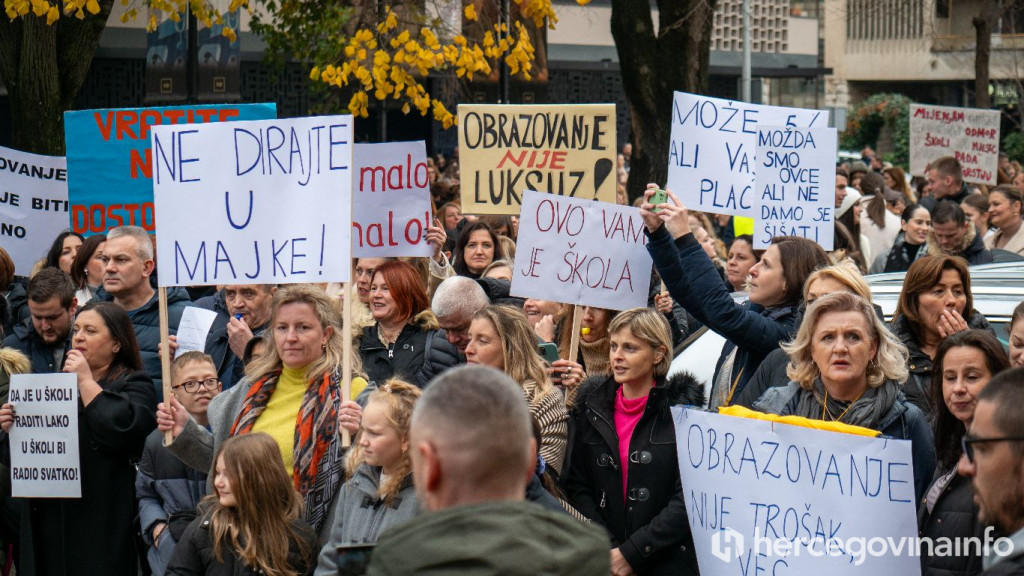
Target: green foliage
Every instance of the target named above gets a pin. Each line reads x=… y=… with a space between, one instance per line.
x=866 y=121
x=1013 y=144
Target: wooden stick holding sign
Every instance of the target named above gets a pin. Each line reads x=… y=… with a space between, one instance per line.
x=346 y=356
x=574 y=341
x=165 y=357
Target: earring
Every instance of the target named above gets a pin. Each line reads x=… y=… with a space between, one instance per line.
x=323 y=347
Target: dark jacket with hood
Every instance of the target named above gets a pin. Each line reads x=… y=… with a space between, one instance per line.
x=651 y=530
x=955 y=515
x=972 y=248
x=46 y=358
x=419 y=353
x=694 y=282
x=918 y=386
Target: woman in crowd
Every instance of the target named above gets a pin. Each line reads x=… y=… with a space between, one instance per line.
x=592 y=355
x=253 y=523
x=880 y=226
x=935 y=303
x=708 y=243
x=896 y=179
x=501 y=338
x=964 y=363
x=742 y=257
x=543 y=316
x=379 y=492
x=12 y=295
x=846 y=367
x=500 y=269
x=1004 y=208
x=846 y=249
x=975 y=207
x=292 y=393
x=842 y=277
x=63 y=250
x=404 y=341
x=87 y=269
x=752 y=330
x=477 y=247
x=849 y=215
x=915 y=223
x=362 y=273
x=450 y=215
x=115 y=414
x=624 y=474
x=1017 y=337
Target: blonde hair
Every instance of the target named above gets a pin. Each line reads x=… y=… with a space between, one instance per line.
x=846 y=273
x=399 y=398
x=889 y=363
x=651 y=327
x=519 y=347
x=331 y=359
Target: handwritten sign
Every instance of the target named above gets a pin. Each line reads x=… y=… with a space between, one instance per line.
x=567 y=150
x=970 y=135
x=581 y=252
x=264 y=202
x=712 y=154
x=33 y=205
x=111 y=164
x=44 y=437
x=795 y=184
x=765 y=498
x=391 y=203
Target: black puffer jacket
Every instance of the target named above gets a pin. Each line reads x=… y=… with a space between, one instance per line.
x=419 y=354
x=652 y=530
x=194 y=556
x=954 y=516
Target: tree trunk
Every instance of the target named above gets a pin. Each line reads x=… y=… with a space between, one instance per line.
x=984 y=24
x=653 y=66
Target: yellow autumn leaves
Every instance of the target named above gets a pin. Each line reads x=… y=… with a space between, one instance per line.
x=50 y=9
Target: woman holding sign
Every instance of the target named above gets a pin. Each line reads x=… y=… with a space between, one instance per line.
x=293 y=393
x=752 y=330
x=845 y=366
x=94 y=534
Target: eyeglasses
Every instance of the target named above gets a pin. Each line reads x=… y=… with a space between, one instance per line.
x=192 y=386
x=967 y=444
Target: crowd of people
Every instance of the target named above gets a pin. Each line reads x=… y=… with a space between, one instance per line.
x=552 y=451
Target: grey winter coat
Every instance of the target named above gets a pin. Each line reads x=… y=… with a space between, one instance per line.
x=361 y=516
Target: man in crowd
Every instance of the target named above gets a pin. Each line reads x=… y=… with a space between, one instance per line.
x=841 y=184
x=455 y=302
x=994 y=461
x=472 y=453
x=243 y=311
x=954 y=235
x=945 y=182
x=128 y=254
x=45 y=337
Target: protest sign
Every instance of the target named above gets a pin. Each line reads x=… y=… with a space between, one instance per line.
x=711 y=157
x=44 y=437
x=111 y=165
x=263 y=202
x=391 y=200
x=795 y=184
x=772 y=498
x=581 y=252
x=567 y=150
x=970 y=135
x=33 y=205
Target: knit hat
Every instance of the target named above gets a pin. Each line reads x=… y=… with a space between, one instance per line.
x=858 y=166
x=851 y=198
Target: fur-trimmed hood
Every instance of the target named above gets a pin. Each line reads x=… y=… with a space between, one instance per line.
x=934 y=249
x=681 y=388
x=14 y=362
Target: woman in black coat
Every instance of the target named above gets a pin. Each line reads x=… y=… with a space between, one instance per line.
x=95 y=534
x=624 y=474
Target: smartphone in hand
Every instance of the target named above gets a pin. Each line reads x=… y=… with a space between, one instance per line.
x=659 y=197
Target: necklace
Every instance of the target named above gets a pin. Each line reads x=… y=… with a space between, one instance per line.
x=386 y=336
x=825 y=410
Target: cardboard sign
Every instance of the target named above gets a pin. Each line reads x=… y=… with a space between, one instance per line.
x=265 y=202
x=33 y=205
x=111 y=164
x=796 y=182
x=391 y=203
x=581 y=252
x=504 y=150
x=712 y=154
x=765 y=498
x=970 y=135
x=44 y=437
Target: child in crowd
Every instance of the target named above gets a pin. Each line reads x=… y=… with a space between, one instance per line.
x=252 y=524
x=168 y=490
x=379 y=492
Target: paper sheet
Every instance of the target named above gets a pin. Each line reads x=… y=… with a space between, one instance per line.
x=194 y=328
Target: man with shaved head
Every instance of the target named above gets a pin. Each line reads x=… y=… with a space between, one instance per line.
x=473 y=453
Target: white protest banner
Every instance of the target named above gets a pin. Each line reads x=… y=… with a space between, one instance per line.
x=391 y=202
x=33 y=205
x=711 y=157
x=795 y=184
x=771 y=498
x=581 y=252
x=563 y=149
x=970 y=135
x=260 y=202
x=44 y=437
